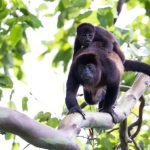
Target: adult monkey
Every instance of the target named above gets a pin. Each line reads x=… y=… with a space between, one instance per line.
x=99 y=73
x=87 y=33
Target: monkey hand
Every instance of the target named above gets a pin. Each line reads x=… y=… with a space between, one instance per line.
x=77 y=109
x=111 y=112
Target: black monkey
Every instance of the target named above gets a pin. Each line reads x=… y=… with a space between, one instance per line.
x=87 y=33
x=99 y=73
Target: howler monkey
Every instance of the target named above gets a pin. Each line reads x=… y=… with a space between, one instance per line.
x=99 y=73
x=87 y=33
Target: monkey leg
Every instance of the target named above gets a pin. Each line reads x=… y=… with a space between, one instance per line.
x=112 y=87
x=107 y=104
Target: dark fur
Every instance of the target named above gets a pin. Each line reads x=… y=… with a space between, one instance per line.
x=131 y=65
x=102 y=86
x=100 y=34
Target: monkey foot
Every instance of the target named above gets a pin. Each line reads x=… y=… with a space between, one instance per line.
x=77 y=109
x=111 y=112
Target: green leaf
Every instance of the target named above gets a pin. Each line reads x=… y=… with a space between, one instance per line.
x=18 y=72
x=18 y=4
x=32 y=21
x=105 y=16
x=53 y=122
x=24 y=11
x=3 y=5
x=73 y=12
x=78 y=3
x=5 y=81
x=45 y=117
x=9 y=136
x=39 y=115
x=84 y=15
x=61 y=19
x=147 y=4
x=15 y=146
x=3 y=14
x=16 y=34
x=24 y=104
x=42 y=117
x=63 y=56
x=11 y=21
x=74 y=3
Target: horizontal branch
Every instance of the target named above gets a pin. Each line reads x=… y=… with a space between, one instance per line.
x=63 y=138
x=34 y=132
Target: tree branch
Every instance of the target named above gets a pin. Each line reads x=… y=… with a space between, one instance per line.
x=63 y=138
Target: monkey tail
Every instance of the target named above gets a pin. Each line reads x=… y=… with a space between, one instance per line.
x=131 y=65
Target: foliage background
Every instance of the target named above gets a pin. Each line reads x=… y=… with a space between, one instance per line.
x=36 y=42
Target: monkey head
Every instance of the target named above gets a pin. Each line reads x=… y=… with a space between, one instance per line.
x=86 y=66
x=85 y=34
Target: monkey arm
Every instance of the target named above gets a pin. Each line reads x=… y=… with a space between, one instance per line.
x=110 y=98
x=77 y=45
x=71 y=91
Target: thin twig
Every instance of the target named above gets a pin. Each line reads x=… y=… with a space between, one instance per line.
x=137 y=123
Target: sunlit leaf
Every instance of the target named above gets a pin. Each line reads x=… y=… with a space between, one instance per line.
x=18 y=3
x=42 y=6
x=15 y=146
x=18 y=72
x=16 y=34
x=11 y=105
x=92 y=18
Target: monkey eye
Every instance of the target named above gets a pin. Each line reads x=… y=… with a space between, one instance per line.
x=90 y=35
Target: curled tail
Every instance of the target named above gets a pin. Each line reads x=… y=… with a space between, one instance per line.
x=131 y=65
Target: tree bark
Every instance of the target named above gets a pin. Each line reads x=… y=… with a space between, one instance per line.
x=63 y=137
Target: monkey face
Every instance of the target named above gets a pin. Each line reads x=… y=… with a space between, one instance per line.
x=86 y=38
x=87 y=69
